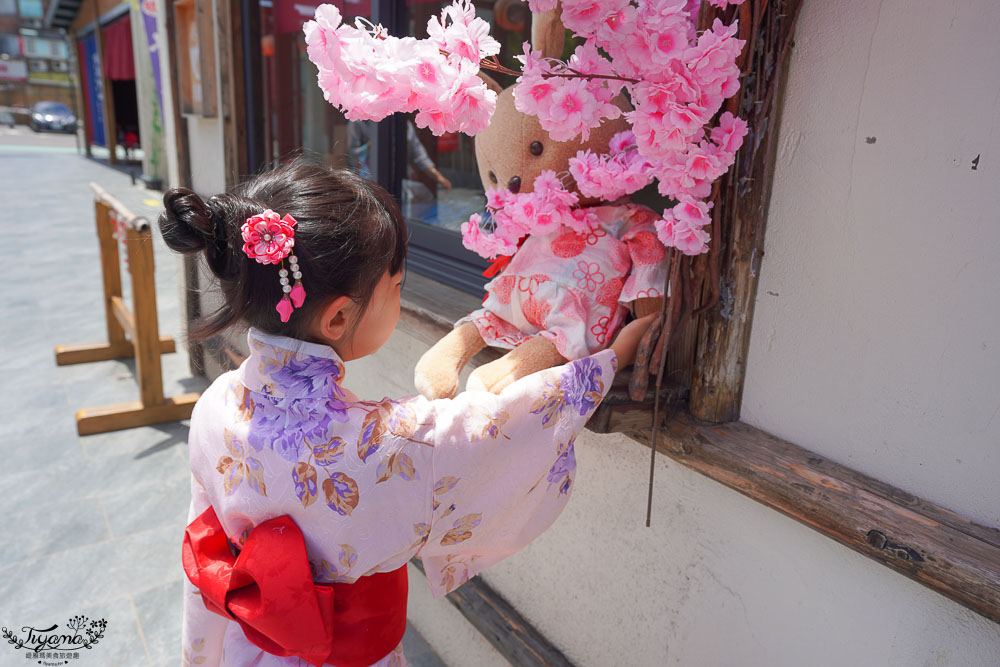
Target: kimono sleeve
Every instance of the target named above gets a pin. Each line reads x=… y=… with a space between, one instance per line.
x=649 y=268
x=202 y=631
x=503 y=465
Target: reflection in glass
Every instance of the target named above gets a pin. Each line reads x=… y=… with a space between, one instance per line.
x=442 y=185
x=295 y=115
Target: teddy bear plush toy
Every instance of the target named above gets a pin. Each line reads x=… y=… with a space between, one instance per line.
x=566 y=290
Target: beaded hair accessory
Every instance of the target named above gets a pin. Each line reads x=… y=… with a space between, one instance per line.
x=269 y=240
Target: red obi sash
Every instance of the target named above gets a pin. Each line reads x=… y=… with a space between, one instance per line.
x=268 y=589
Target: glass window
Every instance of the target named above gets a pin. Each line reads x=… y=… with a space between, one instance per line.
x=8 y=7
x=44 y=48
x=38 y=48
x=30 y=9
x=10 y=45
x=295 y=115
x=441 y=187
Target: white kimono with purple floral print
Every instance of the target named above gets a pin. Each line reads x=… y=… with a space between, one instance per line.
x=459 y=483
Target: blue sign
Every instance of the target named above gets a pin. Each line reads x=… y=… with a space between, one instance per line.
x=95 y=87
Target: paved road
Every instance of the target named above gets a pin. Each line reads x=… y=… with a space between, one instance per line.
x=21 y=139
x=88 y=525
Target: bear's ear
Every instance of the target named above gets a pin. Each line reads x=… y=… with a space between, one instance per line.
x=490 y=82
x=548 y=34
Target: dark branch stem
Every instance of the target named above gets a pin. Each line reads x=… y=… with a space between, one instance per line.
x=494 y=65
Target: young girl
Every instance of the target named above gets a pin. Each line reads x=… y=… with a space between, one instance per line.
x=306 y=502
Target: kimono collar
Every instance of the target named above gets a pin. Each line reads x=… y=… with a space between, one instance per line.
x=290 y=368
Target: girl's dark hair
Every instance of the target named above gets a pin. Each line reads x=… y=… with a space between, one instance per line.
x=350 y=232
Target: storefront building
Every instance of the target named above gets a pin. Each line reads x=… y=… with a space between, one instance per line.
x=853 y=364
x=120 y=80
x=34 y=59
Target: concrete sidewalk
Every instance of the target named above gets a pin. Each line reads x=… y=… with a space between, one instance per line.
x=90 y=525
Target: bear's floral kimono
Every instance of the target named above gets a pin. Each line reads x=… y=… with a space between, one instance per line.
x=460 y=483
x=573 y=287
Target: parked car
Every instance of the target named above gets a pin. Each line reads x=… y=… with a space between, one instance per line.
x=54 y=116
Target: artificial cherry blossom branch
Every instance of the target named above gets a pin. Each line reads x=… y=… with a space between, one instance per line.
x=494 y=65
x=676 y=78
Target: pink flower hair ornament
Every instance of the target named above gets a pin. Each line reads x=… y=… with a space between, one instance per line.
x=269 y=239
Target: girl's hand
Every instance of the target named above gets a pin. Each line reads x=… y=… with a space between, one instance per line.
x=627 y=340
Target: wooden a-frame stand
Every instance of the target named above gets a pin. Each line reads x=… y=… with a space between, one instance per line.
x=130 y=333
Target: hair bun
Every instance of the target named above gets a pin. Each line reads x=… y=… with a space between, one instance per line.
x=186 y=222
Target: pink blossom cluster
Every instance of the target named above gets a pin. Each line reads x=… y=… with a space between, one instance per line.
x=692 y=171
x=370 y=74
x=566 y=104
x=608 y=176
x=548 y=208
x=676 y=80
x=683 y=226
x=688 y=178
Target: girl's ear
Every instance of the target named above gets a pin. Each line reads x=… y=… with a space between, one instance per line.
x=333 y=319
x=548 y=34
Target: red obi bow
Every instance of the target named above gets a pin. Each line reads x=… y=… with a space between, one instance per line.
x=268 y=589
x=497 y=265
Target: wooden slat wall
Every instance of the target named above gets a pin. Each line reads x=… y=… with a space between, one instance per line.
x=206 y=57
x=708 y=353
x=231 y=85
x=741 y=211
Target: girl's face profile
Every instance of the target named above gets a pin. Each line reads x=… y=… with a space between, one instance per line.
x=378 y=321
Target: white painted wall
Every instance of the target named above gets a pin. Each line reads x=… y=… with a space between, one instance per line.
x=207 y=151
x=876 y=337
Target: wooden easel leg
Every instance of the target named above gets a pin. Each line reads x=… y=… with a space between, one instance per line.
x=133 y=414
x=147 y=352
x=82 y=353
x=111 y=277
x=143 y=341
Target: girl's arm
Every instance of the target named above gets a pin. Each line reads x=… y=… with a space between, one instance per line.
x=503 y=465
